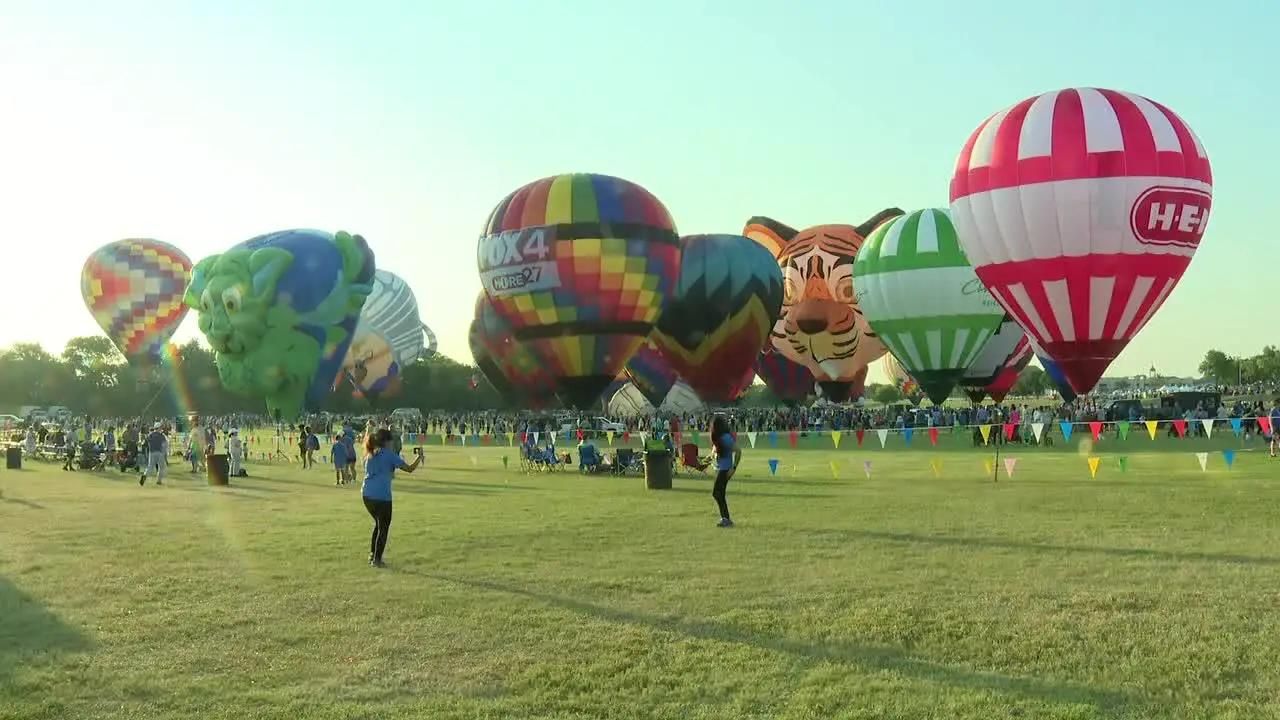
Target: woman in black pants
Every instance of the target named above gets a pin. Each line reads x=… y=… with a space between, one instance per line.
x=727 y=458
x=379 y=470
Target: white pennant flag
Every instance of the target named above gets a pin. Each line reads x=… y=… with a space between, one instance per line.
x=883 y=435
x=535 y=437
x=644 y=438
x=751 y=438
x=474 y=460
x=1208 y=426
x=1038 y=430
x=1009 y=463
x=1203 y=457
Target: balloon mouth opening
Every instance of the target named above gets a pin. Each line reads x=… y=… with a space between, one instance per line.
x=582 y=392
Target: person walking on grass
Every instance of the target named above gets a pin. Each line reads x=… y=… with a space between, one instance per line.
x=157 y=455
x=338 y=455
x=235 y=453
x=727 y=458
x=380 y=469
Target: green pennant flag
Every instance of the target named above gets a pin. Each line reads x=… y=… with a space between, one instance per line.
x=1123 y=426
x=1123 y=462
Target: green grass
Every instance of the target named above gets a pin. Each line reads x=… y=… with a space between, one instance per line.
x=1144 y=594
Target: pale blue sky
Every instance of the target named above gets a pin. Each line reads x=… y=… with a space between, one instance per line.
x=204 y=123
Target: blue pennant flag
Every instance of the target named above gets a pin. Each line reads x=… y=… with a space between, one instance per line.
x=1228 y=456
x=773 y=439
x=773 y=466
x=1235 y=427
x=906 y=434
x=1066 y=430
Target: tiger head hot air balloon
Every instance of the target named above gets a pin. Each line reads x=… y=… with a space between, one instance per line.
x=920 y=295
x=581 y=266
x=134 y=289
x=388 y=338
x=726 y=302
x=1080 y=210
x=279 y=311
x=513 y=371
x=651 y=373
x=821 y=324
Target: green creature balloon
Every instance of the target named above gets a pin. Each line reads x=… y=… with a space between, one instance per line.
x=279 y=311
x=921 y=296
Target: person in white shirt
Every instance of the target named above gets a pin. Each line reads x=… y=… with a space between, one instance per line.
x=235 y=453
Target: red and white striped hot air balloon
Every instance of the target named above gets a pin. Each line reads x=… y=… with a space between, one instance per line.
x=1080 y=210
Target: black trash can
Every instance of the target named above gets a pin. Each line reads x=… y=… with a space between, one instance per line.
x=219 y=469
x=13 y=458
x=657 y=470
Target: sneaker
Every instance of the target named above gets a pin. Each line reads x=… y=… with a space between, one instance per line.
x=378 y=564
x=142 y=480
x=725 y=523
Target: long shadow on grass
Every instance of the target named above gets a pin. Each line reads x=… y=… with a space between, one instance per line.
x=22 y=502
x=490 y=486
x=28 y=630
x=874 y=658
x=1001 y=544
x=751 y=493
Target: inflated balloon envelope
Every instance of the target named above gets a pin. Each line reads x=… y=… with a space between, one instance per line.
x=821 y=324
x=651 y=372
x=134 y=289
x=506 y=363
x=388 y=337
x=581 y=266
x=1081 y=209
x=279 y=311
x=726 y=302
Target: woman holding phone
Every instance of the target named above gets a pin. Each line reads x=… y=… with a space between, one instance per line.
x=379 y=470
x=727 y=458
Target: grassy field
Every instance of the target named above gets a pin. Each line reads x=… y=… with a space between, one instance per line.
x=1148 y=593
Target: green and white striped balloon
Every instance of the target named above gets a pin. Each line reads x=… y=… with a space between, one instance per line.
x=921 y=296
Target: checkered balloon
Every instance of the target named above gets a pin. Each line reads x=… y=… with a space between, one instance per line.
x=581 y=266
x=134 y=290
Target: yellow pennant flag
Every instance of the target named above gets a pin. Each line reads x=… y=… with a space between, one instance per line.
x=936 y=466
x=835 y=438
x=794 y=471
x=986 y=433
x=834 y=472
x=991 y=469
x=610 y=437
x=1093 y=466
x=511 y=439
x=444 y=439
x=1151 y=428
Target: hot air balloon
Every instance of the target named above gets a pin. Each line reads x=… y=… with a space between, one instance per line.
x=432 y=345
x=1008 y=376
x=651 y=373
x=821 y=324
x=581 y=266
x=920 y=295
x=900 y=377
x=280 y=310
x=1006 y=346
x=512 y=370
x=728 y=297
x=1057 y=378
x=1080 y=210
x=388 y=338
x=134 y=289
x=789 y=381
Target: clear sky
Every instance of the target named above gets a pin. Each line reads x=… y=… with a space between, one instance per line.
x=205 y=123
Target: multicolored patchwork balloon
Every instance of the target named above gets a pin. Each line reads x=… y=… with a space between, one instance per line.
x=388 y=338
x=920 y=295
x=900 y=378
x=581 y=266
x=1080 y=210
x=513 y=371
x=651 y=373
x=134 y=290
x=726 y=302
x=279 y=311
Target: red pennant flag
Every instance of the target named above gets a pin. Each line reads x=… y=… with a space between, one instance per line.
x=859 y=434
x=1009 y=430
x=524 y=438
x=676 y=436
x=485 y=439
x=580 y=435
x=793 y=438
x=1181 y=427
x=1264 y=422
x=734 y=435
x=933 y=435
x=626 y=437
x=1095 y=427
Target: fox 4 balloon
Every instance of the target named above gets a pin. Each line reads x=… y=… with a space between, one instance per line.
x=1080 y=210
x=581 y=266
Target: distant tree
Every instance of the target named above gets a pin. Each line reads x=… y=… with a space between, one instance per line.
x=1220 y=367
x=1032 y=381
x=884 y=394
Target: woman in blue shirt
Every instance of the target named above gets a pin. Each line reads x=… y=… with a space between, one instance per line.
x=727 y=458
x=379 y=470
